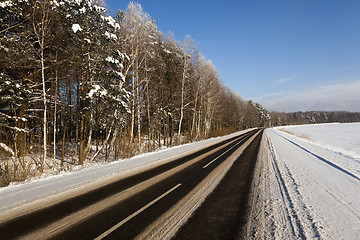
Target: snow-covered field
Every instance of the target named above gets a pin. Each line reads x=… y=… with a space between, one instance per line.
x=30 y=192
x=307 y=183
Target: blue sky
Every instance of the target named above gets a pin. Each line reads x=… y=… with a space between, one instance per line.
x=289 y=55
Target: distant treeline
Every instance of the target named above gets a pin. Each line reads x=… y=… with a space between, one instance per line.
x=312 y=117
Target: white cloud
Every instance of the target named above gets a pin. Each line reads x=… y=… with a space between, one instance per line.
x=284 y=79
x=335 y=97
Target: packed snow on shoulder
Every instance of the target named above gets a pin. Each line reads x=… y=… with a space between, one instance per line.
x=307 y=183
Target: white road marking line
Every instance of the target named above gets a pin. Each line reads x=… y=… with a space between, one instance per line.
x=135 y=213
x=220 y=155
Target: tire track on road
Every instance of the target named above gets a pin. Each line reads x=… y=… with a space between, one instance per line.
x=303 y=215
x=296 y=226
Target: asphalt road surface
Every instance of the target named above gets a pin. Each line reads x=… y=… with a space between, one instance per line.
x=191 y=197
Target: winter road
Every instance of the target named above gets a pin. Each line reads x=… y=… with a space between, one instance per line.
x=152 y=203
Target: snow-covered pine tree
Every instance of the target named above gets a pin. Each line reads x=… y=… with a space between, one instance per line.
x=100 y=78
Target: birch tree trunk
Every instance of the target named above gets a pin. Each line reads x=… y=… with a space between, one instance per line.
x=182 y=96
x=45 y=107
x=138 y=102
x=193 y=128
x=132 y=107
x=149 y=117
x=55 y=110
x=188 y=51
x=40 y=30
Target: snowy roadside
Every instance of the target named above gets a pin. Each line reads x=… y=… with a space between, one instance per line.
x=17 y=195
x=307 y=183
